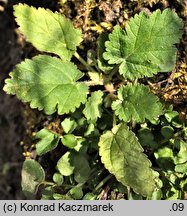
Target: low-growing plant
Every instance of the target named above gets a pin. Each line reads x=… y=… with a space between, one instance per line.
x=110 y=116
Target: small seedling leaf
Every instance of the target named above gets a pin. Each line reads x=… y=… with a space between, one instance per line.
x=165 y=158
x=146 y=138
x=182 y=168
x=167 y=132
x=82 y=168
x=89 y=196
x=48 y=141
x=32 y=176
x=69 y=140
x=76 y=192
x=92 y=109
x=58 y=179
x=68 y=125
x=181 y=157
x=64 y=164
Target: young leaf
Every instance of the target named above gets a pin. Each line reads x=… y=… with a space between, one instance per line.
x=135 y=102
x=146 y=46
x=69 y=140
x=165 y=158
x=102 y=63
x=182 y=168
x=68 y=125
x=48 y=31
x=58 y=196
x=174 y=118
x=82 y=167
x=92 y=107
x=58 y=178
x=47 y=83
x=48 y=141
x=146 y=138
x=73 y=162
x=76 y=192
x=47 y=193
x=65 y=165
x=122 y=155
x=89 y=196
x=181 y=157
x=167 y=132
x=32 y=176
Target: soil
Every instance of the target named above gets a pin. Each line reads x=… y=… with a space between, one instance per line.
x=13 y=120
x=11 y=114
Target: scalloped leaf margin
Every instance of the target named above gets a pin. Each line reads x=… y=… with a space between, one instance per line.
x=146 y=47
x=137 y=103
x=48 y=31
x=48 y=83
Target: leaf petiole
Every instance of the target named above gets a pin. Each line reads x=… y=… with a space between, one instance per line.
x=84 y=62
x=102 y=183
x=47 y=183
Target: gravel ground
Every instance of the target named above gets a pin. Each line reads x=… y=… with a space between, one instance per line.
x=11 y=114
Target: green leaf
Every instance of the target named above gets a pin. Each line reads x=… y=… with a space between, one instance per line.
x=47 y=193
x=48 y=31
x=96 y=77
x=146 y=46
x=122 y=155
x=89 y=196
x=76 y=192
x=92 y=109
x=32 y=176
x=65 y=165
x=69 y=140
x=173 y=194
x=81 y=147
x=48 y=141
x=167 y=132
x=157 y=195
x=134 y=196
x=164 y=157
x=74 y=163
x=91 y=131
x=181 y=168
x=136 y=103
x=58 y=178
x=58 y=196
x=146 y=138
x=82 y=167
x=48 y=83
x=68 y=125
x=183 y=185
x=181 y=157
x=173 y=117
x=102 y=63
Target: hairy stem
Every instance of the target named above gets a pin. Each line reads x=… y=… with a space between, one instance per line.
x=108 y=78
x=93 y=83
x=48 y=183
x=102 y=183
x=83 y=62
